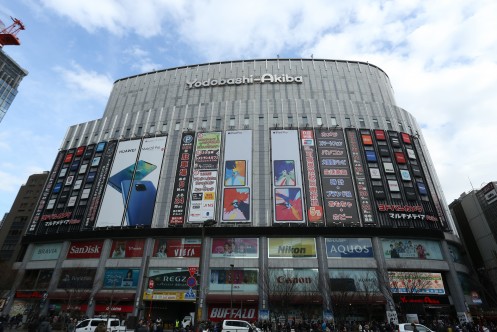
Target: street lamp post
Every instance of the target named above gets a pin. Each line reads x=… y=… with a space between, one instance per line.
x=200 y=286
x=231 y=293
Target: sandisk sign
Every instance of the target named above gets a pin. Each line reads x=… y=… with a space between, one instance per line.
x=265 y=78
x=85 y=249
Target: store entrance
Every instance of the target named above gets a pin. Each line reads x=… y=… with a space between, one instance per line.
x=168 y=311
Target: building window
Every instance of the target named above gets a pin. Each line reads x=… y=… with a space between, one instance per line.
x=204 y=124
x=319 y=121
x=152 y=129
x=389 y=124
x=232 y=122
x=176 y=126
x=375 y=123
x=139 y=131
x=246 y=121
x=164 y=126
x=333 y=121
x=128 y=131
x=275 y=120
x=190 y=124
x=218 y=123
x=348 y=123
x=304 y=120
x=362 y=123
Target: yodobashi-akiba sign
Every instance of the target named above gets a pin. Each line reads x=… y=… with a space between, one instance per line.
x=265 y=78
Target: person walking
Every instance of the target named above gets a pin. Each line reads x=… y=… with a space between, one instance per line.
x=45 y=325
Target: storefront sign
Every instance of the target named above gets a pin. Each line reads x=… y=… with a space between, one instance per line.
x=85 y=249
x=349 y=248
x=114 y=308
x=220 y=313
x=179 y=247
x=46 y=251
x=432 y=300
x=292 y=247
x=29 y=295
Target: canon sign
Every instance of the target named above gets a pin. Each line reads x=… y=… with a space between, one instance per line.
x=265 y=78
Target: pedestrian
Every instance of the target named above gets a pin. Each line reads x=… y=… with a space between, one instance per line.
x=141 y=327
x=45 y=325
x=101 y=327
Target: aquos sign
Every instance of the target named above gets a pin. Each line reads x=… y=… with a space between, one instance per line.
x=265 y=78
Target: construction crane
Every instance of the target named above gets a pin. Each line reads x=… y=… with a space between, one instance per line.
x=8 y=35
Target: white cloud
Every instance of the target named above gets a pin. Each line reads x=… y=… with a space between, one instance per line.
x=89 y=84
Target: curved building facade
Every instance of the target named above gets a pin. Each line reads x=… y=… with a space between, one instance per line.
x=281 y=189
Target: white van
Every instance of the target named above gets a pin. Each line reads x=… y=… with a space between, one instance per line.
x=89 y=325
x=233 y=325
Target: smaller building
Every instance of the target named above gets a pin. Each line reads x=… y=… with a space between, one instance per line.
x=475 y=216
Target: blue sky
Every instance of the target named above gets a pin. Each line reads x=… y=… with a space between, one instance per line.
x=441 y=57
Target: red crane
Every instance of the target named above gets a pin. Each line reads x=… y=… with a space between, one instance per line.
x=8 y=35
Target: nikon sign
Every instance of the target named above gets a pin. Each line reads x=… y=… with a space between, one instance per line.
x=266 y=78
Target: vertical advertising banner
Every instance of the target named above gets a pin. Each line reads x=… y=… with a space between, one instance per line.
x=336 y=178
x=139 y=193
x=124 y=166
x=287 y=177
x=182 y=181
x=315 y=213
x=46 y=192
x=204 y=179
x=362 y=187
x=237 y=177
x=100 y=183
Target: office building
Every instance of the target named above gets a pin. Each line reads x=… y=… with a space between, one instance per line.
x=11 y=75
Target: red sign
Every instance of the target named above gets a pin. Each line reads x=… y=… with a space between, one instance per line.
x=367 y=140
x=191 y=282
x=151 y=283
x=379 y=134
x=192 y=270
x=68 y=158
x=80 y=151
x=219 y=313
x=85 y=249
x=29 y=295
x=182 y=247
x=406 y=138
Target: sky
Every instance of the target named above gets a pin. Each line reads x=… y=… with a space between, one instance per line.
x=441 y=57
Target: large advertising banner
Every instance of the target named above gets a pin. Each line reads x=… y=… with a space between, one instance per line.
x=360 y=177
x=411 y=248
x=292 y=247
x=182 y=181
x=204 y=180
x=288 y=281
x=121 y=278
x=123 y=169
x=127 y=248
x=315 y=212
x=240 y=280
x=409 y=282
x=336 y=178
x=177 y=248
x=140 y=192
x=237 y=200
x=349 y=248
x=235 y=247
x=100 y=181
x=85 y=249
x=46 y=251
x=352 y=280
x=287 y=177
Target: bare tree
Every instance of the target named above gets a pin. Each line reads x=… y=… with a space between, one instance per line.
x=368 y=291
x=77 y=283
x=343 y=294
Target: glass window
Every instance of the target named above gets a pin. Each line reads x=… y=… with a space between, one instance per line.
x=176 y=126
x=319 y=121
x=333 y=121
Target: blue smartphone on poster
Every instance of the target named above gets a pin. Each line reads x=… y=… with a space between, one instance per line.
x=141 y=200
x=140 y=169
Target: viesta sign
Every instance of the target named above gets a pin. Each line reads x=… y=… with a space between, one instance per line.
x=265 y=78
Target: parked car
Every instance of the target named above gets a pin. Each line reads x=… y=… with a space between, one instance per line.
x=234 y=325
x=89 y=325
x=408 y=327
